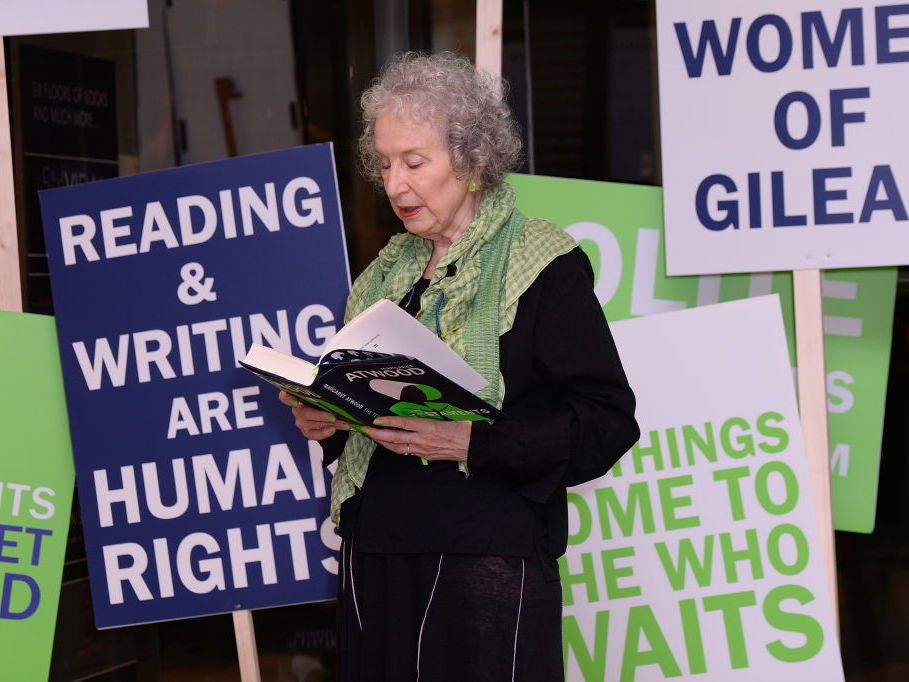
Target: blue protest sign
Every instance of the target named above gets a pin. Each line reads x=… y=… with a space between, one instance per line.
x=198 y=495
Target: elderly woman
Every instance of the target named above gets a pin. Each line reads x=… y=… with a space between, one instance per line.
x=451 y=529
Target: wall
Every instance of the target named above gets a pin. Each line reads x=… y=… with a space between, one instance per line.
x=190 y=45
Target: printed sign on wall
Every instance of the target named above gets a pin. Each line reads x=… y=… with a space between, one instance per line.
x=198 y=494
x=67 y=112
x=698 y=556
x=36 y=492
x=621 y=228
x=783 y=134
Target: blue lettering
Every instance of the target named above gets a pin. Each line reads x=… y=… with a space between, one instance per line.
x=781 y=120
x=839 y=117
x=694 y=63
x=882 y=178
x=823 y=195
x=844 y=44
x=754 y=199
x=722 y=211
x=778 y=199
x=754 y=43
x=38 y=534
x=729 y=206
x=813 y=23
x=4 y=542
x=884 y=34
x=6 y=599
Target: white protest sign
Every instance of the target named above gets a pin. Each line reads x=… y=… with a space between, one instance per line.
x=783 y=134
x=698 y=555
x=29 y=17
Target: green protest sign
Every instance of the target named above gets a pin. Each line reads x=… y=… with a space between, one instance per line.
x=620 y=227
x=36 y=490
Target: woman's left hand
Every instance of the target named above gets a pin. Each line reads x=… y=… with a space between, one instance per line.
x=426 y=438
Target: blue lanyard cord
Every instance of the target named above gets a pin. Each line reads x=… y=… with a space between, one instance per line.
x=409 y=302
x=438 y=308
x=413 y=290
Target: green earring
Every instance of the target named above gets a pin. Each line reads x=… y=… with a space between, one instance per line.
x=473 y=185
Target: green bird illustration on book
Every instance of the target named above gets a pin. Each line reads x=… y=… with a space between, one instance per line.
x=420 y=400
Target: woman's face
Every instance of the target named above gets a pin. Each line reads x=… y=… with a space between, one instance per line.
x=424 y=190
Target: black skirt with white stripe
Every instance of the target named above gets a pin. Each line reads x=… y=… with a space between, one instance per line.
x=447 y=617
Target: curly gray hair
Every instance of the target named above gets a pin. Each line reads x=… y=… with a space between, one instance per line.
x=467 y=105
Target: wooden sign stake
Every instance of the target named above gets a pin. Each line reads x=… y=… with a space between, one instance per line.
x=10 y=282
x=247 y=655
x=812 y=391
x=489 y=36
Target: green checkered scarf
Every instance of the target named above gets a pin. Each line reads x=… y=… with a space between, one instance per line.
x=496 y=259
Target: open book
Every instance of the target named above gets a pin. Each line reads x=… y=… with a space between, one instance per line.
x=383 y=362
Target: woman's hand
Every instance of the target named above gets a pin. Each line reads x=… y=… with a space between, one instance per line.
x=426 y=438
x=313 y=423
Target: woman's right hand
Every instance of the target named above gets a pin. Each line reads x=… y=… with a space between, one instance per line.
x=314 y=424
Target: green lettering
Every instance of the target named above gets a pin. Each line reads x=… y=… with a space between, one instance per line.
x=641 y=621
x=733 y=477
x=672 y=441
x=790 y=485
x=775 y=555
x=741 y=445
x=670 y=504
x=792 y=622
x=585 y=520
x=705 y=443
x=731 y=606
x=639 y=452
x=639 y=505
x=612 y=572
x=592 y=665
x=751 y=553
x=765 y=428
x=676 y=572
x=586 y=577
x=694 y=640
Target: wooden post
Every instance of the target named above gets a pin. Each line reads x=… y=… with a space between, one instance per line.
x=248 y=657
x=812 y=390
x=10 y=282
x=489 y=36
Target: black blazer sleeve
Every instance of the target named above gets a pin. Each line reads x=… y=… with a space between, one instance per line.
x=569 y=408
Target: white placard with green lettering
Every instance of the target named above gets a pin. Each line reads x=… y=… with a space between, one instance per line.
x=698 y=556
x=621 y=228
x=36 y=492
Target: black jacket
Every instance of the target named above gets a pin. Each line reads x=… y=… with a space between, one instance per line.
x=569 y=417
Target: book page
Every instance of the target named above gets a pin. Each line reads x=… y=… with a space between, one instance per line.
x=386 y=328
x=280 y=363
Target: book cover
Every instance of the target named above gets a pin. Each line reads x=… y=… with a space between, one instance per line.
x=359 y=386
